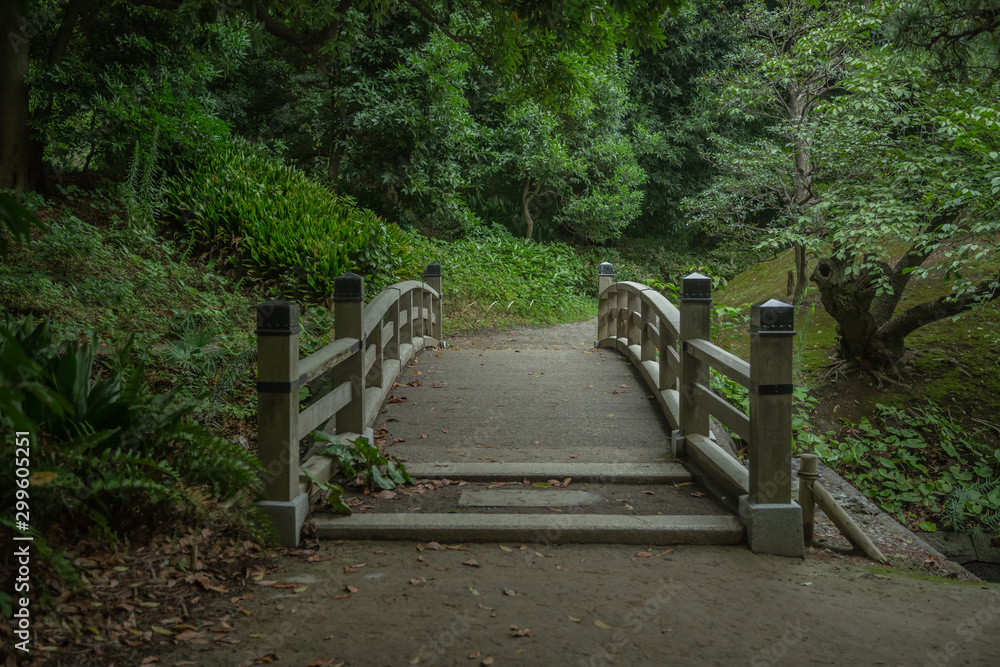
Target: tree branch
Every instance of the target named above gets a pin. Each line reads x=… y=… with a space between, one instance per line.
x=931 y=311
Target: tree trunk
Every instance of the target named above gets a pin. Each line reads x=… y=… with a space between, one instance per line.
x=526 y=196
x=869 y=331
x=801 y=272
x=15 y=137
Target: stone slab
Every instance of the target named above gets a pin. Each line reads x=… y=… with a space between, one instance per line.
x=624 y=473
x=527 y=498
x=535 y=528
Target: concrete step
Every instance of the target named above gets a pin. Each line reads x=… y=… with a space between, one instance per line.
x=605 y=473
x=535 y=528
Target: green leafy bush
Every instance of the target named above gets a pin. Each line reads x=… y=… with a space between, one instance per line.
x=921 y=465
x=493 y=277
x=363 y=461
x=285 y=227
x=106 y=451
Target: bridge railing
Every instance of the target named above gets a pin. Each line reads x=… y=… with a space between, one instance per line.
x=372 y=343
x=672 y=349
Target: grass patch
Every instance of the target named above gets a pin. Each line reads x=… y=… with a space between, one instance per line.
x=496 y=280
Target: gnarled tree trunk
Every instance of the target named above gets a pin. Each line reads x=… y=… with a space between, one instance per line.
x=870 y=331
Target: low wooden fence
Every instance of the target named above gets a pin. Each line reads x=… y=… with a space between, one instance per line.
x=672 y=349
x=373 y=342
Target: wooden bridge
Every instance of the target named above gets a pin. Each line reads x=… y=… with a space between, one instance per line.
x=536 y=439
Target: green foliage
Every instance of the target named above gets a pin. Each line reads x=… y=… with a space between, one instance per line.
x=105 y=447
x=361 y=460
x=283 y=226
x=16 y=222
x=917 y=463
x=131 y=73
x=141 y=194
x=493 y=277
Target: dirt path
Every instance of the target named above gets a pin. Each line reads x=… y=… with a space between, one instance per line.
x=371 y=603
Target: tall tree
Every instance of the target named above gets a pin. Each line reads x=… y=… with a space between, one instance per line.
x=792 y=56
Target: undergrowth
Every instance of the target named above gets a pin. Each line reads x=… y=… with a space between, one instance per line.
x=923 y=468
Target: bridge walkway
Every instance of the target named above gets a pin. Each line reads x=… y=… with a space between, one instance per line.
x=526 y=435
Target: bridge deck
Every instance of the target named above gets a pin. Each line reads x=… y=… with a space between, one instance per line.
x=491 y=412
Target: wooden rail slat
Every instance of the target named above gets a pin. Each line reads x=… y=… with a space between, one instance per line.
x=326 y=358
x=725 y=412
x=725 y=362
x=320 y=411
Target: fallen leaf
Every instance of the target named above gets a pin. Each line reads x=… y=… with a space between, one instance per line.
x=418 y=580
x=433 y=546
x=161 y=631
x=519 y=632
x=473 y=655
x=649 y=493
x=473 y=590
x=487 y=660
x=187 y=635
x=510 y=592
x=471 y=562
x=444 y=430
x=423 y=436
x=575 y=620
x=602 y=625
x=566 y=481
x=698 y=494
x=644 y=554
x=504 y=547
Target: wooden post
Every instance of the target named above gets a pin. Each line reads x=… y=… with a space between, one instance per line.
x=432 y=276
x=605 y=313
x=278 y=398
x=392 y=345
x=406 y=318
x=648 y=352
x=771 y=332
x=348 y=312
x=634 y=308
x=668 y=341
x=696 y=324
x=808 y=473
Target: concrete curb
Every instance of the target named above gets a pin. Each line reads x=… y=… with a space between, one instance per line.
x=536 y=528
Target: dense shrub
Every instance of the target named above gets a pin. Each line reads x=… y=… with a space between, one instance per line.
x=492 y=277
x=105 y=450
x=285 y=227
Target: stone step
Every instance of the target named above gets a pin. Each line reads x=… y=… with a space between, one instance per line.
x=535 y=528
x=606 y=473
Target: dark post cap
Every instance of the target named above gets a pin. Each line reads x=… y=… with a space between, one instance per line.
x=772 y=317
x=606 y=269
x=696 y=287
x=432 y=270
x=277 y=318
x=348 y=287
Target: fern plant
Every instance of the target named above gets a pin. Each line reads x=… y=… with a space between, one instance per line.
x=109 y=449
x=142 y=193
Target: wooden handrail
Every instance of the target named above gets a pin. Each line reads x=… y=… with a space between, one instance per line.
x=374 y=342
x=646 y=328
x=725 y=362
